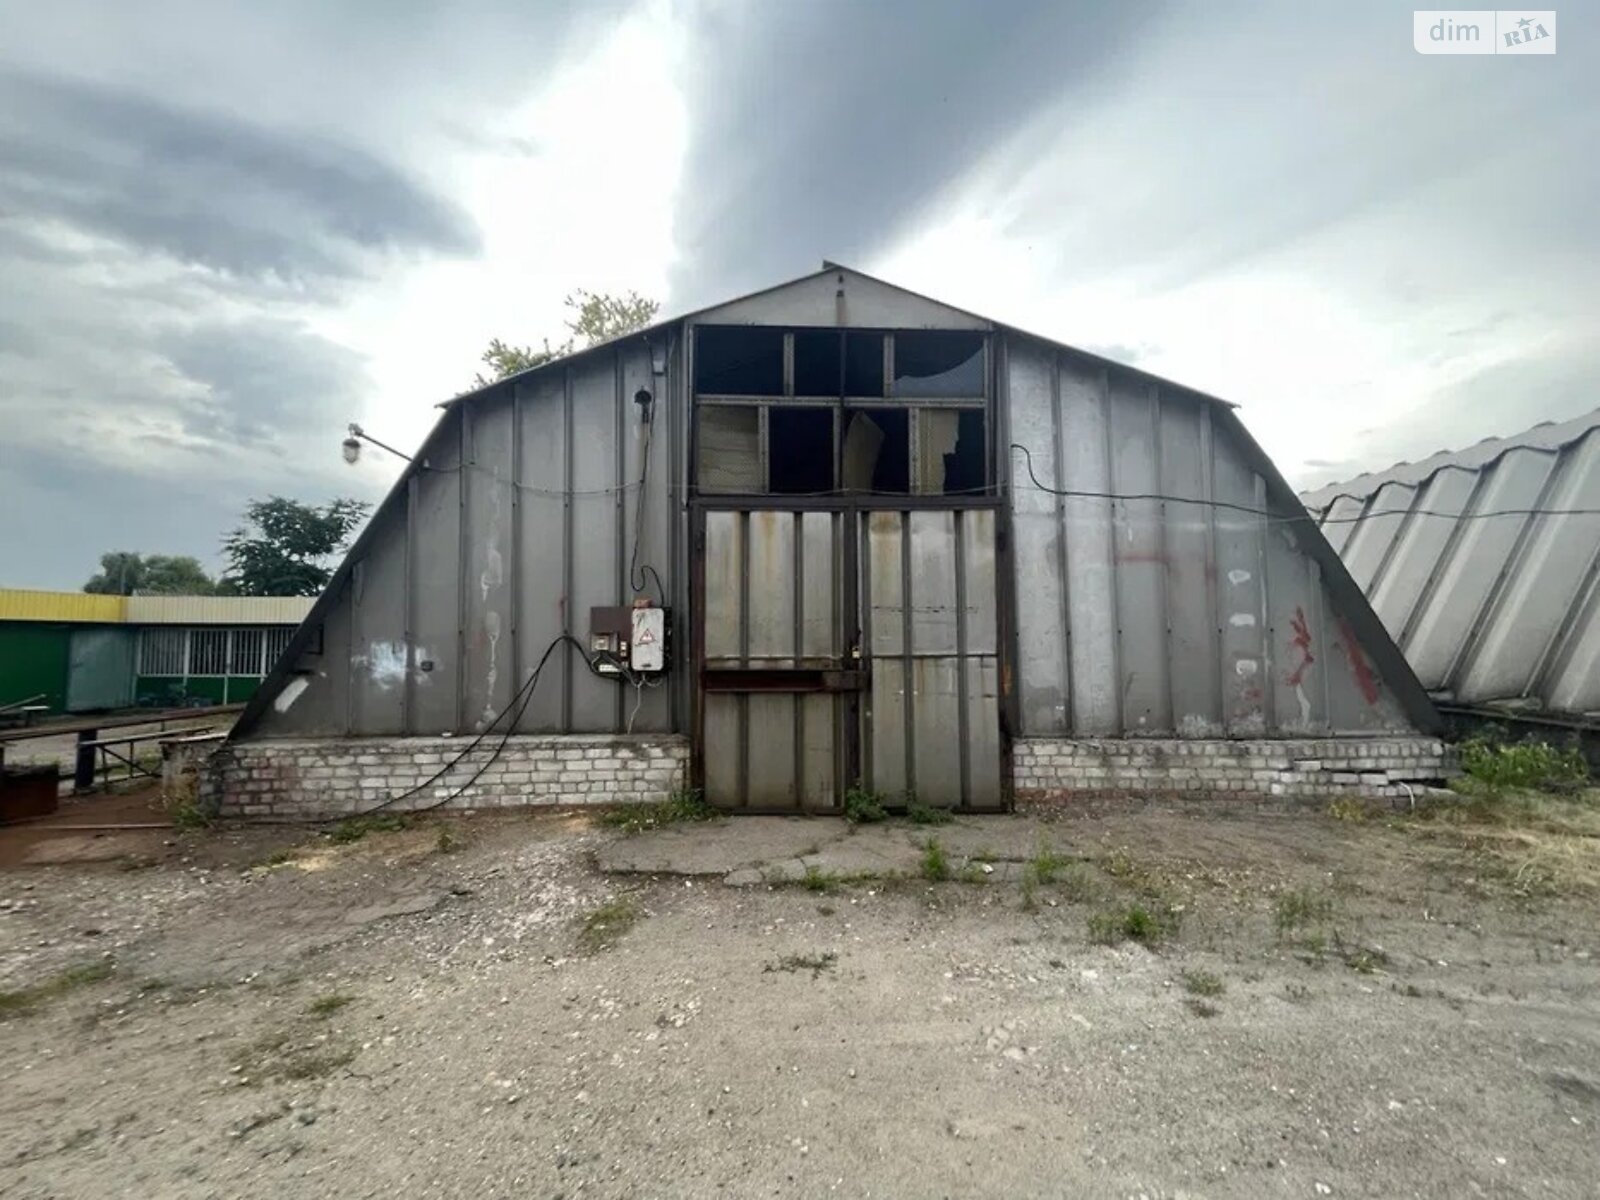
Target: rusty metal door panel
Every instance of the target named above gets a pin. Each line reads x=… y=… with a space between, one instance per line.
x=776 y=677
x=931 y=728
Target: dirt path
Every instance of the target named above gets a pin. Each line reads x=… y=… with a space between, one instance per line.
x=1343 y=1009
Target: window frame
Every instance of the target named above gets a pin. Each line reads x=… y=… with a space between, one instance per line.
x=843 y=405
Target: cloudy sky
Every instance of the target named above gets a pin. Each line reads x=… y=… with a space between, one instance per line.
x=227 y=229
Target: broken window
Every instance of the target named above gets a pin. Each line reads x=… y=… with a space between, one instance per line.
x=877 y=451
x=800 y=450
x=729 y=448
x=950 y=451
x=938 y=363
x=817 y=362
x=738 y=360
x=863 y=364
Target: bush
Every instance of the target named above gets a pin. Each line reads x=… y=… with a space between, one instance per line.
x=1532 y=765
x=862 y=807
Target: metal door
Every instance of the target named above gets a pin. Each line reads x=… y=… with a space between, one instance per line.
x=842 y=644
x=931 y=718
x=777 y=680
x=100 y=669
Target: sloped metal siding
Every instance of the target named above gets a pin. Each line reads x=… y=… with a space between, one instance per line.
x=1176 y=616
x=1488 y=609
x=520 y=519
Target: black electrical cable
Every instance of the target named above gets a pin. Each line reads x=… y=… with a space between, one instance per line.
x=1304 y=517
x=520 y=700
x=637 y=579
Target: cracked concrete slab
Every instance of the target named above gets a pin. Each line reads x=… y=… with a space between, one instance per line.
x=747 y=851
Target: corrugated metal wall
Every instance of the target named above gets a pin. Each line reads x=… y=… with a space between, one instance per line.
x=521 y=519
x=1487 y=608
x=1157 y=617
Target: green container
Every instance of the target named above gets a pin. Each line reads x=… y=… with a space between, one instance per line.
x=33 y=661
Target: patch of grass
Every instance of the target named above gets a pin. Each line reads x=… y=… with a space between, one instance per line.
x=863 y=807
x=326 y=1006
x=185 y=813
x=683 y=806
x=278 y=1055
x=26 y=1000
x=817 y=880
x=276 y=859
x=1202 y=983
x=919 y=813
x=1301 y=907
x=355 y=828
x=1354 y=811
x=1201 y=1008
x=1030 y=892
x=973 y=872
x=815 y=963
x=604 y=926
x=1147 y=925
x=935 y=865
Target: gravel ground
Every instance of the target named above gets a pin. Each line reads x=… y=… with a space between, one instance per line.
x=473 y=1009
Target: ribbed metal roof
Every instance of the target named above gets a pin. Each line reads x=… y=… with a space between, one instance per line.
x=1489 y=609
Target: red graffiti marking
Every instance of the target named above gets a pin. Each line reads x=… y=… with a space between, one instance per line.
x=1366 y=679
x=1301 y=641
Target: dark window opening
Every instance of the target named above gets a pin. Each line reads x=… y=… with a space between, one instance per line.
x=877 y=451
x=938 y=363
x=817 y=362
x=863 y=364
x=738 y=360
x=800 y=450
x=950 y=451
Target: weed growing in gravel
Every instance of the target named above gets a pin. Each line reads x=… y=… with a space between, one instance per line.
x=815 y=963
x=326 y=1006
x=1355 y=811
x=684 y=805
x=919 y=813
x=1202 y=983
x=1030 y=892
x=1301 y=907
x=863 y=807
x=817 y=880
x=604 y=926
x=1134 y=923
x=935 y=861
x=26 y=1000
x=973 y=872
x=356 y=828
x=448 y=841
x=1046 y=864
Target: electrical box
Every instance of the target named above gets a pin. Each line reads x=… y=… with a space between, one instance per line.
x=649 y=639
x=628 y=639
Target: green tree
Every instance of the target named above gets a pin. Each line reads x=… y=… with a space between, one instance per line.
x=124 y=573
x=595 y=317
x=285 y=547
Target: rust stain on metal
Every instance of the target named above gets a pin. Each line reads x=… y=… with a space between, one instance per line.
x=1366 y=678
x=1300 y=641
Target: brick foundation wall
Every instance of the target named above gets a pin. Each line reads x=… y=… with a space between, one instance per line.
x=298 y=779
x=1047 y=769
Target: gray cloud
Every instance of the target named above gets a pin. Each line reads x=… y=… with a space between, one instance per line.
x=821 y=129
x=208 y=189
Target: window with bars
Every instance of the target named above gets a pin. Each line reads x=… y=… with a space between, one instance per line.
x=211 y=651
x=163 y=651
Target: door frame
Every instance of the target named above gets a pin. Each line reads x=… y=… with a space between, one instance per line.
x=848 y=749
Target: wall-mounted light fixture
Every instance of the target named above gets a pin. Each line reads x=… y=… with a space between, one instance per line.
x=351 y=446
